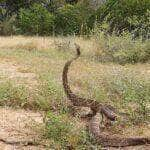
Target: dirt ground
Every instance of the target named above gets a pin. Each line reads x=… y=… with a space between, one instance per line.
x=12 y=71
x=18 y=125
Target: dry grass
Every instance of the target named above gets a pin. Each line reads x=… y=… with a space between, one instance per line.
x=45 y=57
x=27 y=43
x=44 y=43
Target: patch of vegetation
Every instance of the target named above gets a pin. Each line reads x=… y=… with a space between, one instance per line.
x=121 y=49
x=64 y=131
x=127 y=15
x=131 y=93
x=36 y=20
x=50 y=94
x=126 y=87
x=74 y=17
x=11 y=95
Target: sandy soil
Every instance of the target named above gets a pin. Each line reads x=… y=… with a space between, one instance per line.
x=12 y=71
x=18 y=125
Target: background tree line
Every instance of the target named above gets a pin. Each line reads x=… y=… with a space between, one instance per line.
x=65 y=17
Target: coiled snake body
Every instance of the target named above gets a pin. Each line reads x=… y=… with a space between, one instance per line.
x=97 y=108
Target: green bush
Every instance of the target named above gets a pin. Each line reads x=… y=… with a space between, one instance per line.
x=13 y=95
x=67 y=21
x=58 y=127
x=36 y=20
x=53 y=5
x=134 y=93
x=7 y=26
x=63 y=131
x=73 y=19
x=122 y=49
x=38 y=17
x=141 y=25
x=127 y=15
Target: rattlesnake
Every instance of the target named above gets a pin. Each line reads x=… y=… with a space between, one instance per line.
x=97 y=108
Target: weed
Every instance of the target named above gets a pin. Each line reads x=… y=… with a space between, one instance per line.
x=134 y=94
x=121 y=49
x=64 y=131
x=13 y=95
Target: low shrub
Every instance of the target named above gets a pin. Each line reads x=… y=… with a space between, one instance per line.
x=36 y=20
x=67 y=20
x=121 y=49
x=73 y=19
x=64 y=132
x=132 y=94
x=7 y=26
x=126 y=15
x=11 y=95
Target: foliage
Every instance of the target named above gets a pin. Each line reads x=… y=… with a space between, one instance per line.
x=7 y=26
x=86 y=16
x=67 y=20
x=13 y=96
x=127 y=15
x=58 y=127
x=78 y=17
x=13 y=7
x=73 y=19
x=53 y=5
x=62 y=130
x=50 y=94
x=121 y=49
x=134 y=94
x=36 y=20
x=141 y=26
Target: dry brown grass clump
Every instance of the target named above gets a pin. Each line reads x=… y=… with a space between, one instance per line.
x=26 y=43
x=43 y=43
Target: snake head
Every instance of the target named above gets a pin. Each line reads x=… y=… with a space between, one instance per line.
x=77 y=49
